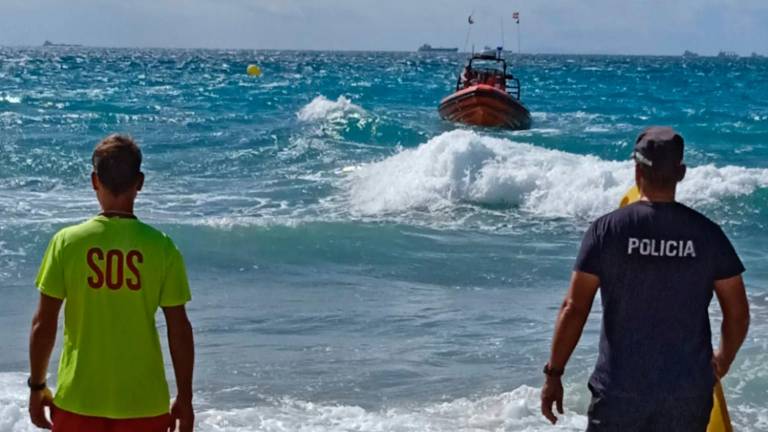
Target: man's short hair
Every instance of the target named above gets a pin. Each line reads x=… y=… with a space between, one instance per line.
x=117 y=163
x=661 y=178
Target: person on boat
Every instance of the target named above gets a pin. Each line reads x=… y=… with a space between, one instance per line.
x=495 y=80
x=467 y=77
x=490 y=80
x=656 y=263
x=112 y=273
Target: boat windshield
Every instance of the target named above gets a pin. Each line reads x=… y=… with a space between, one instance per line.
x=488 y=71
x=489 y=66
x=481 y=71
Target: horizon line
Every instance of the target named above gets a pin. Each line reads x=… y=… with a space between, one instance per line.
x=347 y=50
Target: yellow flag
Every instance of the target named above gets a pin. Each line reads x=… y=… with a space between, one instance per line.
x=719 y=420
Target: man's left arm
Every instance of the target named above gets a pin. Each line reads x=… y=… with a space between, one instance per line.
x=568 y=328
x=733 y=302
x=41 y=341
x=182 y=347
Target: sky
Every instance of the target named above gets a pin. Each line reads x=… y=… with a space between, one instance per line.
x=546 y=26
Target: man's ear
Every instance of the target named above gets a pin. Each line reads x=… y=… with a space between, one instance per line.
x=140 y=183
x=683 y=170
x=95 y=181
x=638 y=175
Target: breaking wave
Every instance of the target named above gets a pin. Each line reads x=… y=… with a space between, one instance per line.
x=464 y=167
x=324 y=109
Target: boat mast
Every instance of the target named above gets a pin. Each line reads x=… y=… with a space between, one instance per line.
x=501 y=21
x=470 y=21
x=516 y=17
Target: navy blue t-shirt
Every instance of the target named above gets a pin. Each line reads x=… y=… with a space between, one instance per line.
x=657 y=263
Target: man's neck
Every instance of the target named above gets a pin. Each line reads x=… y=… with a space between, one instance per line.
x=118 y=214
x=658 y=196
x=117 y=207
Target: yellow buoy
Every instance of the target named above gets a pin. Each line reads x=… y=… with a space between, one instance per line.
x=253 y=70
x=632 y=195
x=719 y=420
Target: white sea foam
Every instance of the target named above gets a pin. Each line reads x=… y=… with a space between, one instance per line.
x=10 y=99
x=708 y=184
x=6 y=252
x=276 y=84
x=455 y=176
x=517 y=410
x=322 y=108
x=465 y=167
x=513 y=411
x=13 y=404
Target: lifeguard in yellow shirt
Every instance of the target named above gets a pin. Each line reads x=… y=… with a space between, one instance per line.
x=112 y=273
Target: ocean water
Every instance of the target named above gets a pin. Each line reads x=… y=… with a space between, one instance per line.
x=357 y=263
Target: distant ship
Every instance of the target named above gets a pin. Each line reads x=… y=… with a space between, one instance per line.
x=727 y=55
x=689 y=54
x=51 y=44
x=429 y=48
x=756 y=55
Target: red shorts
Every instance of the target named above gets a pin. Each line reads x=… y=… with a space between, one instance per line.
x=65 y=421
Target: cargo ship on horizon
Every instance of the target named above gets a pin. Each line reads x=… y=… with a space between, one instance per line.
x=430 y=48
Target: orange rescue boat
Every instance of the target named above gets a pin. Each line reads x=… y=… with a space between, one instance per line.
x=486 y=95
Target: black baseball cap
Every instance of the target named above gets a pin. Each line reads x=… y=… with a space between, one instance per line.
x=659 y=147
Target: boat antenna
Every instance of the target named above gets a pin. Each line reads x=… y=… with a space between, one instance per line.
x=470 y=21
x=501 y=20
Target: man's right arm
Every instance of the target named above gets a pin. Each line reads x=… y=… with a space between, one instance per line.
x=182 y=347
x=733 y=302
x=568 y=328
x=41 y=341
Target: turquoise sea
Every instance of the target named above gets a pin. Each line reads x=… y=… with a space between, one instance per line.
x=357 y=263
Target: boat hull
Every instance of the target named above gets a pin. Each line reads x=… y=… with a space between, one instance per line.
x=484 y=105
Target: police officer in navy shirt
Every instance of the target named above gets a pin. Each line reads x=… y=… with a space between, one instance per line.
x=657 y=264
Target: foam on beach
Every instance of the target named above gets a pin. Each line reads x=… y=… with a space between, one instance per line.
x=517 y=410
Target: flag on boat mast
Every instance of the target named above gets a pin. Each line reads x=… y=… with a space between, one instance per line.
x=516 y=17
x=470 y=20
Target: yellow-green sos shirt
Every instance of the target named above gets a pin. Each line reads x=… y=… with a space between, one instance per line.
x=113 y=274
